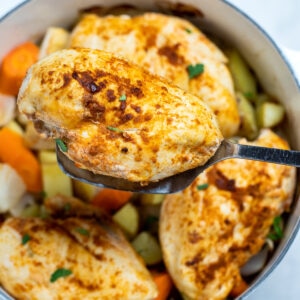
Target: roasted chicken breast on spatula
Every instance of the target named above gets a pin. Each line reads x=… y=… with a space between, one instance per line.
x=212 y=228
x=117 y=119
x=167 y=46
x=79 y=254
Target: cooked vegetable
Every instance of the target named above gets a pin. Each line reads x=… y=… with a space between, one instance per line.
x=15 y=65
x=15 y=127
x=128 y=219
x=7 y=109
x=47 y=157
x=84 y=191
x=147 y=246
x=12 y=188
x=147 y=199
x=55 y=39
x=248 y=127
x=164 y=284
x=244 y=80
x=31 y=211
x=239 y=288
x=269 y=114
x=54 y=180
x=14 y=153
x=111 y=200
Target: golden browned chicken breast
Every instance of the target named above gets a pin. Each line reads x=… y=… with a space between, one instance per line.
x=72 y=257
x=166 y=46
x=117 y=119
x=211 y=229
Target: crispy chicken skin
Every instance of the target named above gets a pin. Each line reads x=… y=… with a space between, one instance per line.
x=103 y=264
x=156 y=130
x=208 y=235
x=166 y=45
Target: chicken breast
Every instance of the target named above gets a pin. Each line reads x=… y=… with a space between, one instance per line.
x=211 y=229
x=70 y=257
x=117 y=119
x=166 y=46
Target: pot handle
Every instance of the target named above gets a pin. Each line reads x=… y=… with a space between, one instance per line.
x=293 y=58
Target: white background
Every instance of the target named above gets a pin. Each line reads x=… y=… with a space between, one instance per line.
x=281 y=20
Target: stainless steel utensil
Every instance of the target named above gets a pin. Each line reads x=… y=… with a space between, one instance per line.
x=176 y=183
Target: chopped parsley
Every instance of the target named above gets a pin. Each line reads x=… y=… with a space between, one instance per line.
x=60 y=273
x=276 y=232
x=67 y=207
x=82 y=231
x=123 y=97
x=249 y=95
x=188 y=30
x=62 y=145
x=25 y=238
x=202 y=187
x=195 y=70
x=115 y=129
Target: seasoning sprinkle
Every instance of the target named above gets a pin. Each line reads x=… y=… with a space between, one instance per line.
x=195 y=70
x=123 y=97
x=62 y=145
x=82 y=231
x=202 y=187
x=25 y=238
x=60 y=273
x=114 y=129
x=188 y=30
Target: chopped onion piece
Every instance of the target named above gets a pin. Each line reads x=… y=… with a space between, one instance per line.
x=12 y=188
x=256 y=262
x=7 y=109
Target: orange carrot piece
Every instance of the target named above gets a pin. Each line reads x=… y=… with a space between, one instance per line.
x=14 y=153
x=164 y=284
x=111 y=200
x=239 y=287
x=14 y=67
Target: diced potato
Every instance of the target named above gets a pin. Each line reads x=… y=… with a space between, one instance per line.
x=12 y=188
x=244 y=80
x=269 y=114
x=248 y=127
x=127 y=218
x=47 y=157
x=55 y=39
x=147 y=246
x=84 y=191
x=54 y=180
x=147 y=199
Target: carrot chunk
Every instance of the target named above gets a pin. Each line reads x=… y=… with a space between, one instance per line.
x=14 y=152
x=15 y=65
x=164 y=284
x=111 y=200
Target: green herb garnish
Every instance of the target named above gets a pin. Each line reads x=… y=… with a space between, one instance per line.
x=123 y=97
x=61 y=144
x=276 y=232
x=249 y=95
x=82 y=231
x=25 y=238
x=60 y=273
x=114 y=129
x=188 y=30
x=67 y=207
x=202 y=187
x=195 y=70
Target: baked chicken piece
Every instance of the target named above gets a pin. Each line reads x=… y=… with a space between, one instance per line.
x=166 y=46
x=211 y=229
x=117 y=119
x=80 y=254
